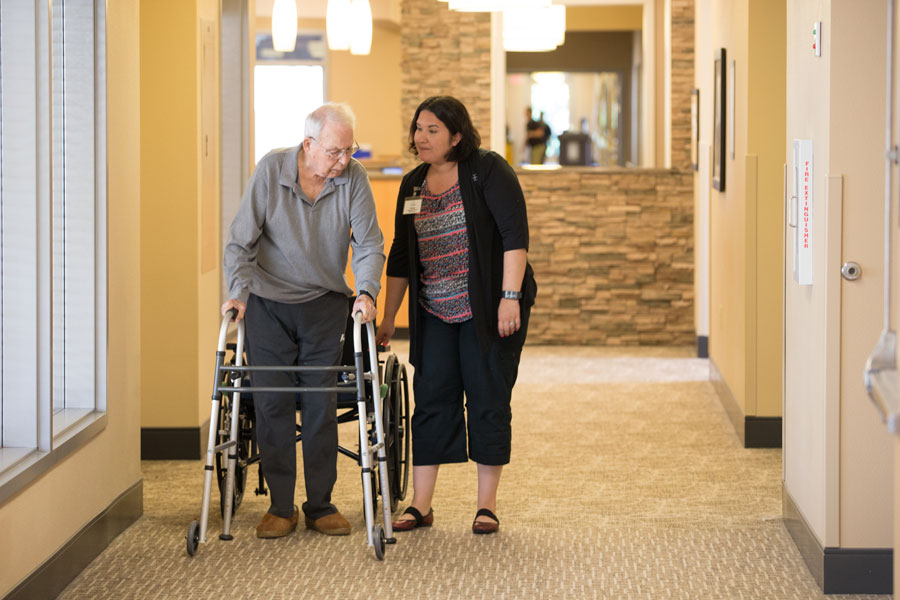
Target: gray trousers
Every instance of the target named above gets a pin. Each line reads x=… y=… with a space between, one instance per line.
x=305 y=334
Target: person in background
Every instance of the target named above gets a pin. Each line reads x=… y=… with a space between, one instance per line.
x=535 y=139
x=284 y=262
x=460 y=247
x=545 y=128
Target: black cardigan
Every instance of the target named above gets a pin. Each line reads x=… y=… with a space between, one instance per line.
x=496 y=221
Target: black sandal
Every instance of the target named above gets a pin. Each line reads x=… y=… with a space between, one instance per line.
x=482 y=527
x=417 y=521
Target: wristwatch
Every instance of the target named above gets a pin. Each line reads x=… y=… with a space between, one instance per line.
x=511 y=295
x=365 y=293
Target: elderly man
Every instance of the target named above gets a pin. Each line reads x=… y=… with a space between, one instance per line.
x=284 y=261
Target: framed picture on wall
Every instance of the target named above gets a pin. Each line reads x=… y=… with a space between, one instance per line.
x=695 y=128
x=719 y=82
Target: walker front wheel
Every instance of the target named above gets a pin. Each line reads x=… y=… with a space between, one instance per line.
x=378 y=541
x=193 y=538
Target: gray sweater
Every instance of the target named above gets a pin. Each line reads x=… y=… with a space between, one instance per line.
x=285 y=248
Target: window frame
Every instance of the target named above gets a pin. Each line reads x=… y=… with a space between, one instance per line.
x=33 y=436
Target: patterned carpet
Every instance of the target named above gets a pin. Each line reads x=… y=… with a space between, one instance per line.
x=627 y=481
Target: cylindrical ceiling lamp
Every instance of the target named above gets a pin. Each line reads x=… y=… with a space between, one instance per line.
x=534 y=30
x=337 y=24
x=284 y=25
x=360 y=27
x=496 y=5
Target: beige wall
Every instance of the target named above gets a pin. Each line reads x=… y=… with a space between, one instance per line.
x=805 y=449
x=604 y=18
x=371 y=85
x=111 y=460
x=764 y=120
x=727 y=236
x=207 y=235
x=745 y=220
x=857 y=151
x=169 y=223
x=180 y=290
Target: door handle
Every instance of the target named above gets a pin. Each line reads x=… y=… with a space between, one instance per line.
x=851 y=271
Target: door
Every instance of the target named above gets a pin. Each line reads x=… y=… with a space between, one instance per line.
x=837 y=455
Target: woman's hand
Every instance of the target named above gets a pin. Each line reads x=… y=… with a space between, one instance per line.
x=508 y=321
x=239 y=306
x=385 y=331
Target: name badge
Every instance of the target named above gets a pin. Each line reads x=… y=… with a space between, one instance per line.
x=412 y=205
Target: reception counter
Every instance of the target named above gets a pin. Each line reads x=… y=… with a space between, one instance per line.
x=612 y=250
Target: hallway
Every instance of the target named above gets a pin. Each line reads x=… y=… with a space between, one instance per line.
x=627 y=481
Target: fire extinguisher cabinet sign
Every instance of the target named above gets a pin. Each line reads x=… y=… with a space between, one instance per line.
x=800 y=212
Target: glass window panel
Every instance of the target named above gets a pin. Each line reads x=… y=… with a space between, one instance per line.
x=58 y=256
x=24 y=121
x=74 y=211
x=283 y=96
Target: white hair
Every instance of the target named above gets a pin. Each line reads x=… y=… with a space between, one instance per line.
x=336 y=112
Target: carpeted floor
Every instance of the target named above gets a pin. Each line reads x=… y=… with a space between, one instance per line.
x=627 y=481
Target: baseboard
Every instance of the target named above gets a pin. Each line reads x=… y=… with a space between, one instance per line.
x=174 y=443
x=48 y=580
x=702 y=346
x=839 y=570
x=754 y=432
x=762 y=432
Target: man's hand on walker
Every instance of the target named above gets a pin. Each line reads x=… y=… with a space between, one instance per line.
x=366 y=306
x=237 y=305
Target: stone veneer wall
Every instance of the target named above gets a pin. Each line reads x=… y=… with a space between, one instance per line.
x=682 y=81
x=612 y=253
x=445 y=52
x=612 y=250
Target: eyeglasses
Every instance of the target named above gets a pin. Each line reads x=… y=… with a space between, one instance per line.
x=337 y=153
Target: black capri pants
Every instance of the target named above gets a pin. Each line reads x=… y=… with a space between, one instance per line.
x=453 y=365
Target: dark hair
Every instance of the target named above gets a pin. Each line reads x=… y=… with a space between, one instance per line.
x=453 y=114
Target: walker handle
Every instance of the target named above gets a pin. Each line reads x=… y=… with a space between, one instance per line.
x=227 y=318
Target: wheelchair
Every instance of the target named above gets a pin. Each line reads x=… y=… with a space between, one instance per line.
x=377 y=398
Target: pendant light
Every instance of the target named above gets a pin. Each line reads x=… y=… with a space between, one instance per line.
x=284 y=25
x=534 y=30
x=360 y=27
x=337 y=24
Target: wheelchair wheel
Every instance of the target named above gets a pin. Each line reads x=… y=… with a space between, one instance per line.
x=396 y=429
x=243 y=453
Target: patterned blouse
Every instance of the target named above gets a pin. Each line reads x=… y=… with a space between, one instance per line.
x=444 y=253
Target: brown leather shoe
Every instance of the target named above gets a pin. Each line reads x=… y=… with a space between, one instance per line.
x=333 y=524
x=485 y=526
x=417 y=521
x=273 y=526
